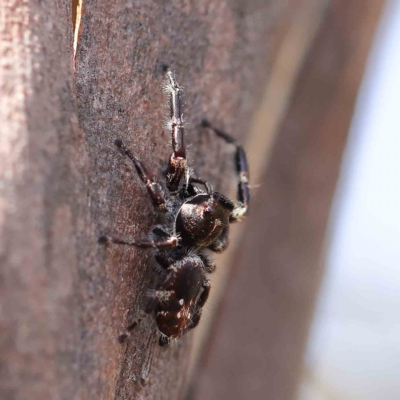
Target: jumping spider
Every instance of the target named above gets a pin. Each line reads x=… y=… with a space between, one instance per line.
x=190 y=220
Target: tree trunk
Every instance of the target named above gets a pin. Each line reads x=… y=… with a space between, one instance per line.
x=64 y=298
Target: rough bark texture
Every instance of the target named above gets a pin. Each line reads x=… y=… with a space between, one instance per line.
x=65 y=299
x=258 y=348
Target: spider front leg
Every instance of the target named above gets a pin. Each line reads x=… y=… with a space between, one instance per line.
x=243 y=195
x=177 y=166
x=153 y=188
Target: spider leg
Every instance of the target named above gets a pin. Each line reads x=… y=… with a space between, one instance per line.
x=157 y=243
x=209 y=265
x=221 y=243
x=177 y=166
x=242 y=169
x=196 y=179
x=153 y=300
x=206 y=292
x=153 y=188
x=164 y=340
x=123 y=336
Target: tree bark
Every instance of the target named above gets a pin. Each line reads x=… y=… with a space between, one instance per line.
x=64 y=298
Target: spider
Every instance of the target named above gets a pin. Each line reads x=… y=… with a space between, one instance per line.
x=190 y=220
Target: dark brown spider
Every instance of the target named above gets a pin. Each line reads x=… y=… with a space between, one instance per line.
x=191 y=220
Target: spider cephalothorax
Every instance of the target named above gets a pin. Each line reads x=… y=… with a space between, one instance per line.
x=190 y=221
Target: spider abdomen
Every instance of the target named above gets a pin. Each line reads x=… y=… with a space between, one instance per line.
x=181 y=290
x=201 y=220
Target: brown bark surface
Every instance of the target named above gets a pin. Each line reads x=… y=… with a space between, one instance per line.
x=258 y=347
x=64 y=299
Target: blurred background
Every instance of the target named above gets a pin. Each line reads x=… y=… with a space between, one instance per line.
x=311 y=311
x=354 y=348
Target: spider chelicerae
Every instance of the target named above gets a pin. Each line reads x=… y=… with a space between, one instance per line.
x=190 y=221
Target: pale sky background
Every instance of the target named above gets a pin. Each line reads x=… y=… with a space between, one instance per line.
x=354 y=348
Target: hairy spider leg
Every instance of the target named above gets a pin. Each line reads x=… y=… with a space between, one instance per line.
x=242 y=169
x=153 y=188
x=177 y=166
x=146 y=243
